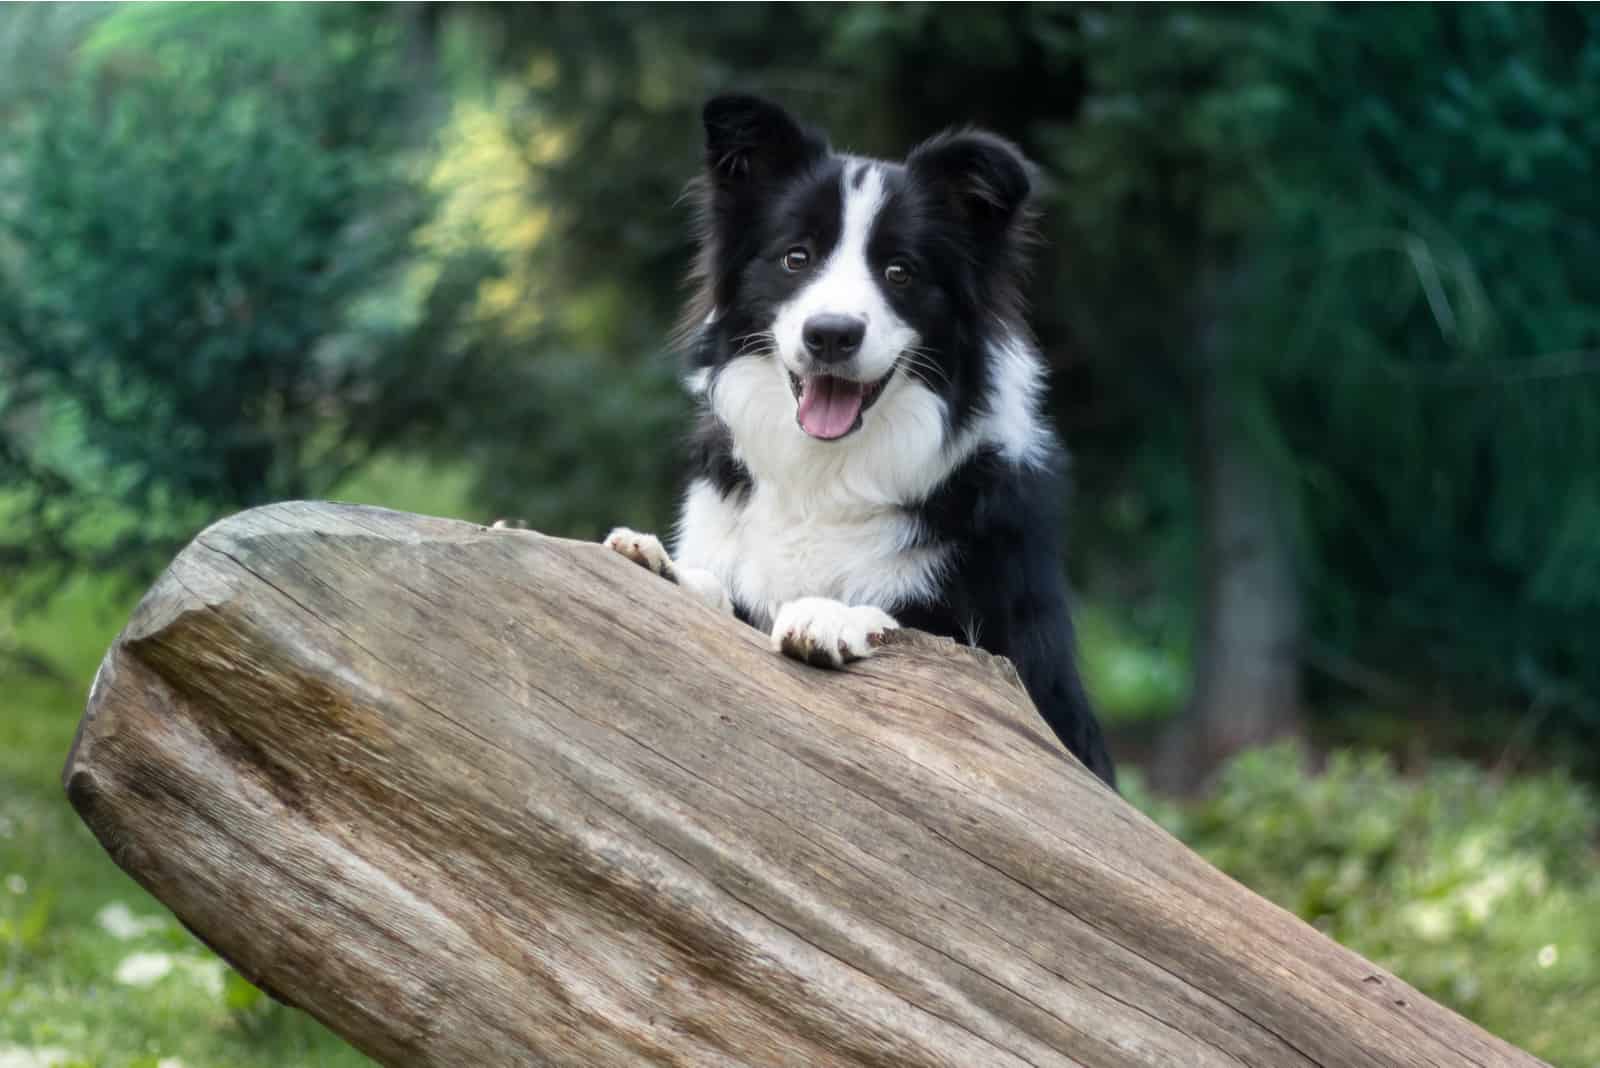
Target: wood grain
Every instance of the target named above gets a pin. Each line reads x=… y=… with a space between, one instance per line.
x=479 y=797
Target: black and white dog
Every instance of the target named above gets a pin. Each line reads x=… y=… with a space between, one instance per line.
x=870 y=452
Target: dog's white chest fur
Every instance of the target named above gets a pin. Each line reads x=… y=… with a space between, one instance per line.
x=767 y=552
x=830 y=519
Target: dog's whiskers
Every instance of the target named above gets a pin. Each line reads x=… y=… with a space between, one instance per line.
x=759 y=343
x=921 y=366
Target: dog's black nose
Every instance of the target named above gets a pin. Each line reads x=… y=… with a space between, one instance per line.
x=833 y=338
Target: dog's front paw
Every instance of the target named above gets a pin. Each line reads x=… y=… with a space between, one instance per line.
x=829 y=633
x=645 y=550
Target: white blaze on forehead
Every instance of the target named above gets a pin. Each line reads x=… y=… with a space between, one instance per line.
x=846 y=284
x=863 y=197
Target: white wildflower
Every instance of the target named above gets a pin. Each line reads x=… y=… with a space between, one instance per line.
x=120 y=922
x=1482 y=896
x=37 y=1057
x=1473 y=851
x=142 y=969
x=1548 y=955
x=209 y=973
x=1430 y=921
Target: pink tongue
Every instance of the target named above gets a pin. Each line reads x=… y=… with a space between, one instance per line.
x=828 y=406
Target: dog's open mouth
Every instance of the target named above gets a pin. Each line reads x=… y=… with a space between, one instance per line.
x=831 y=407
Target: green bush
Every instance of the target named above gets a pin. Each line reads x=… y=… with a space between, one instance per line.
x=1482 y=893
x=211 y=289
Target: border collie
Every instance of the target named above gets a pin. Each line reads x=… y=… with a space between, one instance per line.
x=870 y=452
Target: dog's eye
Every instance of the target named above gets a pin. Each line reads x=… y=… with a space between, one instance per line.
x=897 y=274
x=796 y=259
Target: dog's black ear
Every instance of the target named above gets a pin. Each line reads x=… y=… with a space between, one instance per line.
x=984 y=179
x=749 y=139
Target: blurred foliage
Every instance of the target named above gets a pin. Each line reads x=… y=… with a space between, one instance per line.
x=1133 y=679
x=209 y=294
x=1432 y=369
x=1388 y=213
x=1480 y=892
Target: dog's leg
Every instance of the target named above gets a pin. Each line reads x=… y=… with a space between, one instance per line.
x=647 y=551
x=706 y=586
x=829 y=633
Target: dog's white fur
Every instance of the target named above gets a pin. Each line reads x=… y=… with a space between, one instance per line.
x=816 y=629
x=822 y=543
x=769 y=550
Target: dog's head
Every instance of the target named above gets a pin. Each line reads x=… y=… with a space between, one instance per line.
x=839 y=292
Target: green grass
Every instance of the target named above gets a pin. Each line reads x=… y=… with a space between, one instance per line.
x=62 y=1002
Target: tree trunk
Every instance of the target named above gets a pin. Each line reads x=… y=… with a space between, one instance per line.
x=1246 y=688
x=492 y=798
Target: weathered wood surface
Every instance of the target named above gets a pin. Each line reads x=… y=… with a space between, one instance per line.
x=481 y=798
